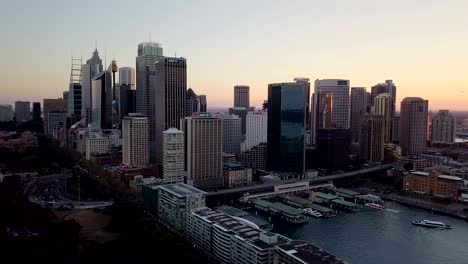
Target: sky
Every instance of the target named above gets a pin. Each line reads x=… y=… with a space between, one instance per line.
x=422 y=45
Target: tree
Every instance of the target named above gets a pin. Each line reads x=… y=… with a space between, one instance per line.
x=408 y=166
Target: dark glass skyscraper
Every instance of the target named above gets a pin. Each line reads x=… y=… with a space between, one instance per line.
x=36 y=111
x=288 y=107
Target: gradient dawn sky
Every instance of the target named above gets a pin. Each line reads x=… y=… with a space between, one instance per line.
x=421 y=44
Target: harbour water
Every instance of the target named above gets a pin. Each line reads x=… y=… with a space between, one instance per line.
x=385 y=237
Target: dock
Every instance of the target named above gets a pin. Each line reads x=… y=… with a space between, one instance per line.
x=333 y=201
x=285 y=212
x=363 y=199
x=303 y=203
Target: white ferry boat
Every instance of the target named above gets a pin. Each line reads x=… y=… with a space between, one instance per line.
x=431 y=224
x=311 y=212
x=375 y=206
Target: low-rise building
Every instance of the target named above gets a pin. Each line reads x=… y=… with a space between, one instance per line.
x=255 y=158
x=138 y=181
x=417 y=163
x=236 y=175
x=433 y=184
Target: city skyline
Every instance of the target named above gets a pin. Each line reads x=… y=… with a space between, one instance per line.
x=419 y=45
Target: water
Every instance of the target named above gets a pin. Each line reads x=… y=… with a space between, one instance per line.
x=385 y=237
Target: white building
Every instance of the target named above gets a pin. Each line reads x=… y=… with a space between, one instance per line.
x=256 y=129
x=135 y=140
x=173 y=156
x=96 y=144
x=443 y=127
x=6 y=113
x=127 y=76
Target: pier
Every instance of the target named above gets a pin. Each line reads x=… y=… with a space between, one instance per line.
x=303 y=203
x=333 y=201
x=282 y=211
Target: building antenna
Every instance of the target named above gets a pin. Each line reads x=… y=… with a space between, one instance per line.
x=95 y=44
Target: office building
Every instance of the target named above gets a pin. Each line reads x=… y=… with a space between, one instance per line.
x=175 y=204
x=241 y=112
x=236 y=175
x=173 y=156
x=331 y=104
x=95 y=143
x=232 y=134
x=89 y=71
x=65 y=99
x=22 y=111
x=148 y=54
x=358 y=109
x=135 y=138
x=102 y=100
x=171 y=93
x=396 y=129
x=333 y=148
x=74 y=100
x=241 y=96
x=36 y=112
x=387 y=87
x=127 y=100
x=256 y=129
x=413 y=125
x=127 y=75
x=192 y=103
x=203 y=103
x=204 y=151
x=6 y=113
x=56 y=121
x=372 y=137
x=433 y=184
x=52 y=105
x=383 y=105
x=443 y=127
x=287 y=123
x=255 y=158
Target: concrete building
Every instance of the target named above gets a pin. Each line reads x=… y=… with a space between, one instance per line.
x=417 y=163
x=204 y=150
x=443 y=127
x=396 y=129
x=413 y=125
x=192 y=103
x=358 y=109
x=232 y=134
x=173 y=156
x=22 y=111
x=288 y=115
x=384 y=106
x=52 y=105
x=236 y=175
x=148 y=54
x=6 y=113
x=127 y=100
x=36 y=112
x=74 y=100
x=203 y=103
x=255 y=158
x=241 y=96
x=433 y=184
x=171 y=93
x=56 y=121
x=256 y=129
x=96 y=144
x=372 y=138
x=127 y=76
x=89 y=71
x=102 y=100
x=241 y=112
x=387 y=87
x=135 y=138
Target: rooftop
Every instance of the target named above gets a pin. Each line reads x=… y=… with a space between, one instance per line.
x=173 y=130
x=325 y=196
x=180 y=189
x=287 y=209
x=232 y=211
x=419 y=173
x=307 y=253
x=447 y=177
x=346 y=191
x=345 y=203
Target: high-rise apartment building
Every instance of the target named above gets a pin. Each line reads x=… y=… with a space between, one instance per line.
x=74 y=100
x=288 y=111
x=413 y=125
x=148 y=54
x=89 y=71
x=330 y=105
x=443 y=127
x=36 y=113
x=22 y=111
x=384 y=106
x=171 y=93
x=173 y=156
x=359 y=104
x=102 y=100
x=232 y=134
x=135 y=138
x=204 y=150
x=372 y=137
x=6 y=113
x=256 y=129
x=241 y=96
x=52 y=105
x=387 y=87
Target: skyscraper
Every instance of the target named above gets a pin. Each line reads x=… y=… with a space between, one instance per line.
x=52 y=105
x=127 y=76
x=371 y=138
x=36 y=113
x=89 y=71
x=241 y=96
x=56 y=121
x=171 y=93
x=203 y=103
x=74 y=100
x=204 y=150
x=192 y=103
x=135 y=150
x=384 y=106
x=358 y=109
x=287 y=123
x=6 y=113
x=413 y=125
x=102 y=100
x=232 y=136
x=331 y=105
x=127 y=91
x=148 y=54
x=256 y=129
x=443 y=127
x=173 y=156
x=387 y=87
x=22 y=111
x=396 y=129
x=241 y=112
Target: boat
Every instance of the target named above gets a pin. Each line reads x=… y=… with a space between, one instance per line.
x=375 y=206
x=311 y=212
x=431 y=224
